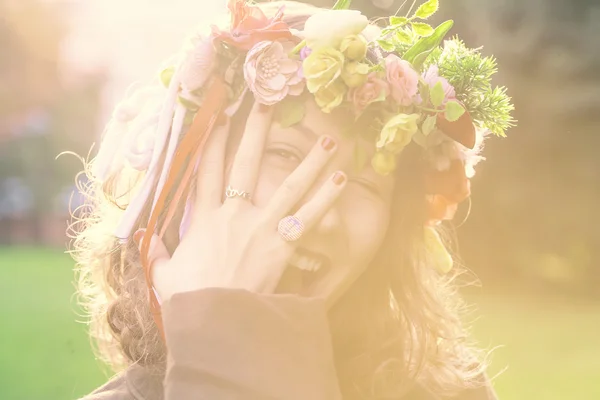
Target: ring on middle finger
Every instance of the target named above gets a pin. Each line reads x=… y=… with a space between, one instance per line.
x=290 y=228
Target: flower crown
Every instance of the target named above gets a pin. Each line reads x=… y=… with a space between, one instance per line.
x=403 y=85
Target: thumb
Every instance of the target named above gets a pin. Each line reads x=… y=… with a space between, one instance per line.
x=158 y=258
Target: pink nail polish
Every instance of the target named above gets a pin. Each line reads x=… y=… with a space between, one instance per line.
x=328 y=144
x=338 y=178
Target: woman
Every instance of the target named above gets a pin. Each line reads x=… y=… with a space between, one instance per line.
x=285 y=188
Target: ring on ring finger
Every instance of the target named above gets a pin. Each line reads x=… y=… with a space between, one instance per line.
x=230 y=193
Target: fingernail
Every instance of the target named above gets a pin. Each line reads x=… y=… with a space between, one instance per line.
x=263 y=108
x=138 y=235
x=338 y=178
x=327 y=143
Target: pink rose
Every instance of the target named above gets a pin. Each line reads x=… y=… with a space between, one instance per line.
x=432 y=77
x=403 y=79
x=375 y=89
x=271 y=74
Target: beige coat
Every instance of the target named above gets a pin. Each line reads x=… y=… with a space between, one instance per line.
x=216 y=340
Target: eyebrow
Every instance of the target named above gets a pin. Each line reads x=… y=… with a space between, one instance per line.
x=306 y=131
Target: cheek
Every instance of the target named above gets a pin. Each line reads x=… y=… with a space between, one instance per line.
x=366 y=221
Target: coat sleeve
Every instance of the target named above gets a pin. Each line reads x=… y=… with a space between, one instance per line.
x=234 y=344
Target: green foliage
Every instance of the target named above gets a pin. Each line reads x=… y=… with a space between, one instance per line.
x=398 y=21
x=341 y=5
x=429 y=124
x=190 y=105
x=437 y=94
x=289 y=112
x=470 y=74
x=422 y=29
x=424 y=91
x=466 y=70
x=427 y=9
x=453 y=110
x=166 y=75
x=424 y=46
x=405 y=35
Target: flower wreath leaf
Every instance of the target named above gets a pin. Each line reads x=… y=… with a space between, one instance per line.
x=427 y=9
x=386 y=45
x=429 y=125
x=289 y=112
x=341 y=5
x=188 y=104
x=417 y=54
x=166 y=75
x=402 y=36
x=441 y=258
x=437 y=94
x=454 y=110
x=424 y=91
x=398 y=21
x=422 y=29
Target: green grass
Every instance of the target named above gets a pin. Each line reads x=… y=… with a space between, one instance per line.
x=44 y=352
x=550 y=347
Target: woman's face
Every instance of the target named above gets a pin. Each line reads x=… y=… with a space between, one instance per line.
x=348 y=236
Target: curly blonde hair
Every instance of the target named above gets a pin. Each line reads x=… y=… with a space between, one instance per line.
x=398 y=325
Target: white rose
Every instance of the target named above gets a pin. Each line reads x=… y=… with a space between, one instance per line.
x=199 y=64
x=328 y=28
x=138 y=144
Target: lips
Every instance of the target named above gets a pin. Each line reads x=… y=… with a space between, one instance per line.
x=305 y=268
x=306 y=262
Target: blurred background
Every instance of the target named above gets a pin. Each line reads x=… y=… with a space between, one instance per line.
x=531 y=237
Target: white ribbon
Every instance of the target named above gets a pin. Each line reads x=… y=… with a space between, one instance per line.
x=134 y=208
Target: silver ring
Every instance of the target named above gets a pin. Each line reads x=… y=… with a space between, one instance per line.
x=290 y=228
x=231 y=192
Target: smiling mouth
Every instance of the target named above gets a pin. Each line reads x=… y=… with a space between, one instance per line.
x=305 y=268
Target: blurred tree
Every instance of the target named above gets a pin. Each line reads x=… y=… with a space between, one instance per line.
x=40 y=115
x=30 y=36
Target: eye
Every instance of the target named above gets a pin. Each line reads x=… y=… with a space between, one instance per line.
x=366 y=184
x=290 y=157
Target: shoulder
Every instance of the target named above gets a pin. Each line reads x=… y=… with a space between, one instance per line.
x=115 y=389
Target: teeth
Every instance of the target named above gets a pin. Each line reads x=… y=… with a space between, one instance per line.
x=305 y=263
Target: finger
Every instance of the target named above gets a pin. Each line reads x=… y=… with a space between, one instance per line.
x=246 y=164
x=210 y=174
x=158 y=256
x=311 y=212
x=303 y=177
